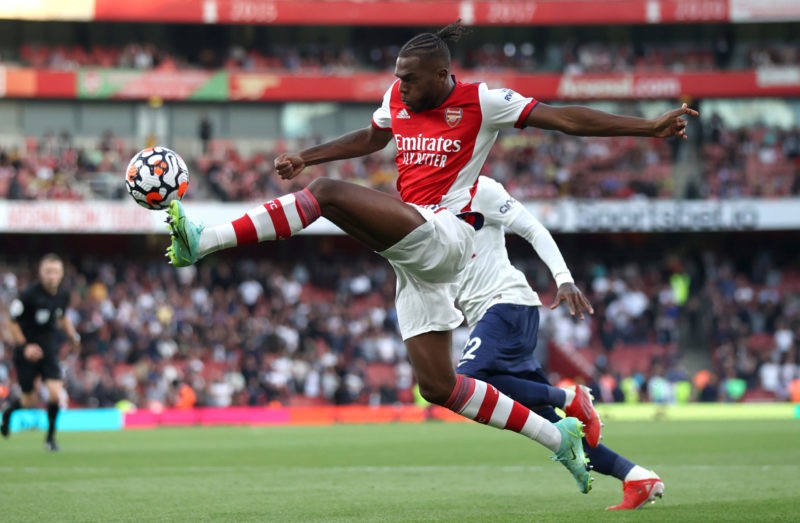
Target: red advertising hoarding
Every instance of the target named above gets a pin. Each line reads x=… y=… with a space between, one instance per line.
x=432 y=13
x=424 y=13
x=196 y=85
x=371 y=87
x=20 y=82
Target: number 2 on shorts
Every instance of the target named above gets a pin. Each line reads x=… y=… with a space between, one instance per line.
x=469 y=350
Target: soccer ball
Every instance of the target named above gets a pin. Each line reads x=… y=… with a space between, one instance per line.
x=156 y=176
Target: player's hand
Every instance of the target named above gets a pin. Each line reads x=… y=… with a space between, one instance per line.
x=287 y=166
x=671 y=123
x=33 y=352
x=576 y=301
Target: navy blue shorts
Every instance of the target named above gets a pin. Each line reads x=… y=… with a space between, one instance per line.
x=502 y=342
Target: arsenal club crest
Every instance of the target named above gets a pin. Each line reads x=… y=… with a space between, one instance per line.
x=452 y=115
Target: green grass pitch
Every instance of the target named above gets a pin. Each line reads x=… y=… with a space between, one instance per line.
x=714 y=471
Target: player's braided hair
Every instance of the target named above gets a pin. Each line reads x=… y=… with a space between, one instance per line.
x=434 y=45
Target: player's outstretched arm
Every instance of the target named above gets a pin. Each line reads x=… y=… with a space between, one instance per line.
x=357 y=143
x=527 y=226
x=671 y=123
x=583 y=121
x=499 y=207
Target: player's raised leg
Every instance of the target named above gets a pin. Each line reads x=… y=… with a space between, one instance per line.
x=374 y=218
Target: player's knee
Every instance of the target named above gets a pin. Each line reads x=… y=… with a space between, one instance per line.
x=28 y=400
x=436 y=392
x=54 y=390
x=324 y=190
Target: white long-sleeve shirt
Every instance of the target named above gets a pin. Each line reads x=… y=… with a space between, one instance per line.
x=490 y=278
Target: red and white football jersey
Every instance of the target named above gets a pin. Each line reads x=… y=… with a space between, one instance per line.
x=440 y=152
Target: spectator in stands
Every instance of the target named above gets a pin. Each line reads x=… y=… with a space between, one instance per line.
x=532 y=164
x=204 y=132
x=716 y=52
x=184 y=395
x=215 y=325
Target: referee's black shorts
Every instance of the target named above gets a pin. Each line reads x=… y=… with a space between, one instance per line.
x=47 y=367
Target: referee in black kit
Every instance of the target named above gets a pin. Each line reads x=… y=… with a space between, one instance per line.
x=35 y=317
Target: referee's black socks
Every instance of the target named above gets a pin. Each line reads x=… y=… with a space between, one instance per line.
x=52 y=413
x=6 y=428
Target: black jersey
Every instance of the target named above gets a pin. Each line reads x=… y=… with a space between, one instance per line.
x=38 y=314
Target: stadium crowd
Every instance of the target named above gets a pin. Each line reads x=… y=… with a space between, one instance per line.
x=571 y=56
x=750 y=161
x=250 y=331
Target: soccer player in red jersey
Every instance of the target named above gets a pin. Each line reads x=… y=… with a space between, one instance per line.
x=443 y=130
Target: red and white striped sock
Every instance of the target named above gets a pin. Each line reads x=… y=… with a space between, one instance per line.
x=275 y=220
x=479 y=401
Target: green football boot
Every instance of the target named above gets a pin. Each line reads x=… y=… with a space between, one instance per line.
x=185 y=244
x=571 y=454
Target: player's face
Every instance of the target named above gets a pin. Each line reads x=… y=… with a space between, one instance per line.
x=51 y=273
x=423 y=85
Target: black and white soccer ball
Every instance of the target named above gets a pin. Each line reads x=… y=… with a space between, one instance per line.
x=156 y=176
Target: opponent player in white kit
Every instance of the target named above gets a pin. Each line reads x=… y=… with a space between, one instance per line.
x=443 y=130
x=502 y=311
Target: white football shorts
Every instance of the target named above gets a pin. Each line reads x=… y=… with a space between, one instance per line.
x=427 y=263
